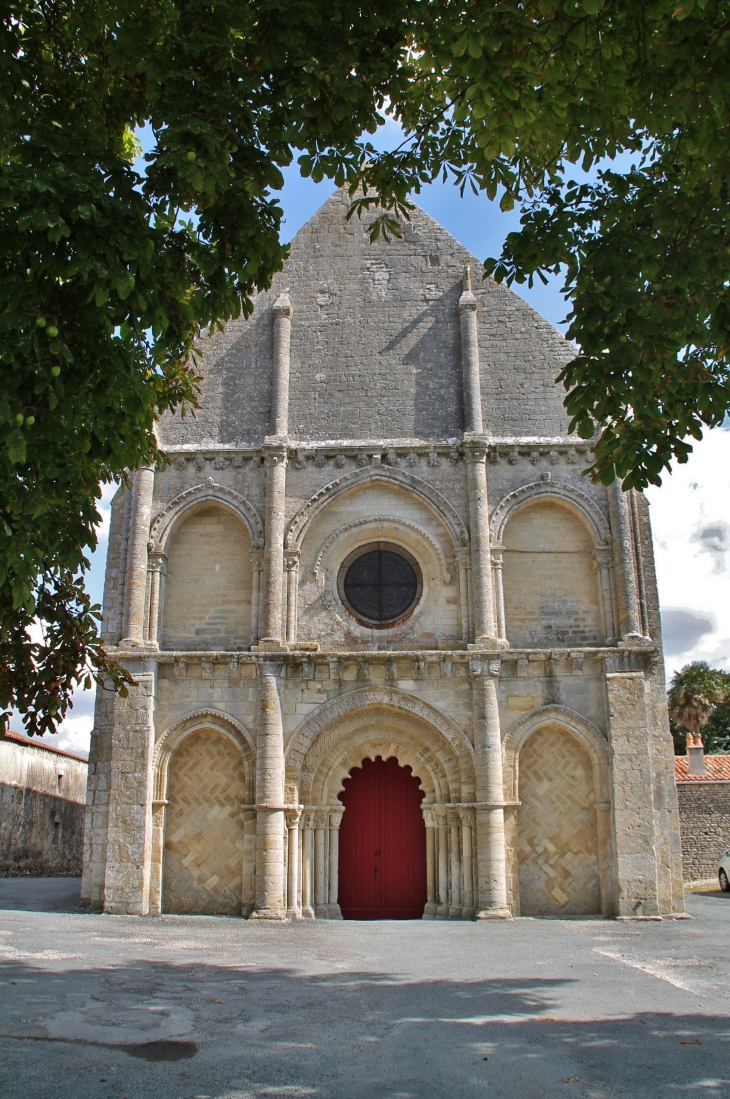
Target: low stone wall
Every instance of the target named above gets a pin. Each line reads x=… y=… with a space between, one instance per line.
x=42 y=802
x=704 y=822
x=40 y=834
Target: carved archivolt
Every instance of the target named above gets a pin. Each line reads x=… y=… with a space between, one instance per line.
x=193 y=722
x=572 y=724
x=334 y=737
x=573 y=498
x=372 y=521
x=208 y=492
x=437 y=503
x=323 y=784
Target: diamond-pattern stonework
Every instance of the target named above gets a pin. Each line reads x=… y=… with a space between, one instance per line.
x=557 y=839
x=204 y=833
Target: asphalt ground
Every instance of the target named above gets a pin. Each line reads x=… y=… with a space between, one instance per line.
x=187 y=1007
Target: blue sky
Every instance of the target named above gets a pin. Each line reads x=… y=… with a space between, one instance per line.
x=689 y=511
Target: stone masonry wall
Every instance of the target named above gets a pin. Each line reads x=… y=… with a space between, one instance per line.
x=704 y=823
x=375 y=346
x=42 y=794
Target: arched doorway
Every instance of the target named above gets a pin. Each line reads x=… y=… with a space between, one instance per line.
x=382 y=862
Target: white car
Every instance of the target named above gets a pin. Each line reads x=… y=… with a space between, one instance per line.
x=723 y=872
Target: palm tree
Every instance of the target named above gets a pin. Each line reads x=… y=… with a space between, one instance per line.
x=693 y=694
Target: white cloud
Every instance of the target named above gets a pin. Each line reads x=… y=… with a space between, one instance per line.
x=690 y=514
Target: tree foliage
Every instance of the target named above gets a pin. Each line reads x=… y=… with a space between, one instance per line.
x=107 y=276
x=699 y=706
x=511 y=96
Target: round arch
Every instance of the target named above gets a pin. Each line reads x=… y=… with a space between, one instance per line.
x=568 y=721
x=193 y=722
x=192 y=499
x=328 y=740
x=594 y=832
x=444 y=511
x=168 y=742
x=387 y=723
x=570 y=497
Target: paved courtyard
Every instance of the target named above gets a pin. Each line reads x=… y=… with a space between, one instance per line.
x=179 y=1007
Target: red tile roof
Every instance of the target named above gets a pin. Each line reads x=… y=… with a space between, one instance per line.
x=718 y=769
x=36 y=742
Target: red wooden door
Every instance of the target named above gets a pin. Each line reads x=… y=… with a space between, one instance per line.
x=382 y=844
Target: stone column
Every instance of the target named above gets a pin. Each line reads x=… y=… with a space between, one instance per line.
x=321 y=893
x=602 y=561
x=628 y=599
x=248 y=862
x=603 y=825
x=333 y=907
x=157 y=569
x=257 y=564
x=431 y=902
x=292 y=592
x=135 y=576
x=442 y=822
x=159 y=812
x=491 y=870
x=270 y=821
x=293 y=911
x=485 y=633
x=461 y=556
x=473 y=421
x=273 y=571
x=455 y=827
x=468 y=909
x=308 y=865
x=280 y=383
x=499 y=592
x=638 y=553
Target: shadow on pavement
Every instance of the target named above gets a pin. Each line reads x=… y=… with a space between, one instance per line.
x=242 y=1032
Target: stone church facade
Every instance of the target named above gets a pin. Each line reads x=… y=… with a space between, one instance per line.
x=372 y=565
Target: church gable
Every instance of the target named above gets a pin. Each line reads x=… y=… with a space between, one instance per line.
x=375 y=345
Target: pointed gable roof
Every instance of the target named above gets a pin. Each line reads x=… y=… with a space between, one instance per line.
x=375 y=346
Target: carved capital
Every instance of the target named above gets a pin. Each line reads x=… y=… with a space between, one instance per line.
x=292 y=816
x=282 y=306
x=475 y=451
x=336 y=816
x=467 y=301
x=468 y=816
x=274 y=458
x=157 y=561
